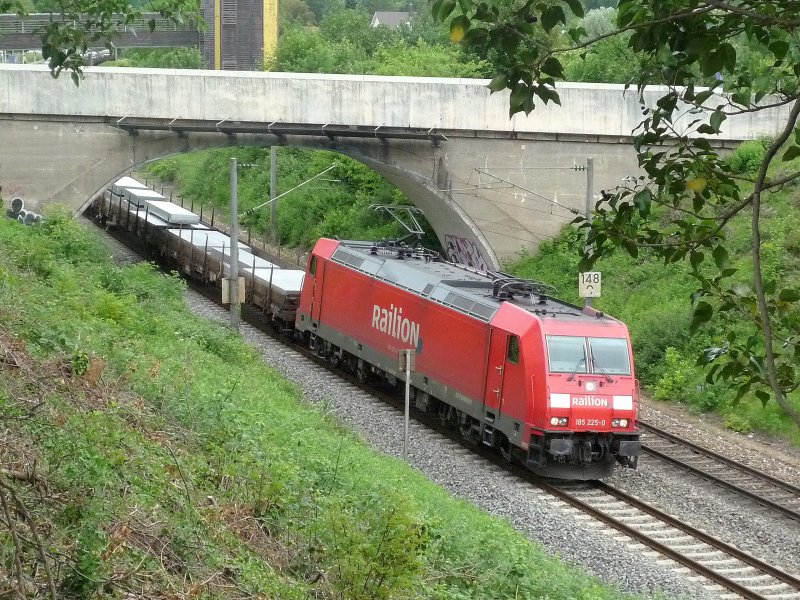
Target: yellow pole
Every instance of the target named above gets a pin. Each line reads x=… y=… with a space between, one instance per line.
x=270 y=29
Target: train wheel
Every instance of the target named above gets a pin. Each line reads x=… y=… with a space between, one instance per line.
x=505 y=448
x=334 y=358
x=466 y=429
x=362 y=371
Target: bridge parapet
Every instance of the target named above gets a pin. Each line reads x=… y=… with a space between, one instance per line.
x=359 y=100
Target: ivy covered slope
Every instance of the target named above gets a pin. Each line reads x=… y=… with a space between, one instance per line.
x=654 y=298
x=147 y=453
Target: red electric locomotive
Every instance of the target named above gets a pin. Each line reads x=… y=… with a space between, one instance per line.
x=547 y=383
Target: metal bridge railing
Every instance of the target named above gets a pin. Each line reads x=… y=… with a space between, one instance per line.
x=36 y=22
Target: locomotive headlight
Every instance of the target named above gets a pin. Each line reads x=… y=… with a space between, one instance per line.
x=623 y=422
x=615 y=422
x=559 y=421
x=591 y=386
x=563 y=421
x=554 y=421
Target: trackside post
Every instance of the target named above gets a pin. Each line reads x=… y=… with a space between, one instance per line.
x=406 y=364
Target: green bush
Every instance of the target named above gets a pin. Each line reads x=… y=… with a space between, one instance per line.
x=165 y=169
x=738 y=423
x=793 y=242
x=746 y=159
x=677 y=374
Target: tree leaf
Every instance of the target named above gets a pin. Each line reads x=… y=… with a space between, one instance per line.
x=789 y=295
x=743 y=389
x=728 y=54
x=717 y=117
x=762 y=395
x=552 y=66
x=631 y=247
x=475 y=36
x=552 y=16
x=466 y=5
x=498 y=83
x=721 y=256
x=756 y=365
x=509 y=43
x=518 y=92
x=459 y=28
x=643 y=200
x=702 y=313
x=445 y=8
x=779 y=48
x=695 y=258
x=791 y=153
x=576 y=7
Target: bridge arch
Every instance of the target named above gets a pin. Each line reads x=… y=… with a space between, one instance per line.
x=458 y=234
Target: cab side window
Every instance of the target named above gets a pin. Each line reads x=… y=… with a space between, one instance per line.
x=513 y=349
x=312 y=266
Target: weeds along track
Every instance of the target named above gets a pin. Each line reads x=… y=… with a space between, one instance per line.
x=778 y=496
x=728 y=567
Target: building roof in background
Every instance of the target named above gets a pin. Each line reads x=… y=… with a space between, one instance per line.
x=390 y=19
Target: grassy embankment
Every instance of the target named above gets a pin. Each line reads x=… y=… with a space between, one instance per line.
x=145 y=451
x=654 y=300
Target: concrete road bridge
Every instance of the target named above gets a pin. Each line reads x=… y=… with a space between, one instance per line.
x=489 y=185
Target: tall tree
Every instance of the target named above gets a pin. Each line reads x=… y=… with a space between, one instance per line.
x=80 y=24
x=685 y=44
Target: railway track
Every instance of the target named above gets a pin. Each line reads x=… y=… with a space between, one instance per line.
x=779 y=496
x=743 y=575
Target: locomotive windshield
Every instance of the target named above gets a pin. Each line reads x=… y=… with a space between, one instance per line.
x=568 y=354
x=610 y=356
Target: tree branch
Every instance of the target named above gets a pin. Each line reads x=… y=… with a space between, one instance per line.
x=32 y=525
x=758 y=277
x=17 y=545
x=757 y=16
x=674 y=17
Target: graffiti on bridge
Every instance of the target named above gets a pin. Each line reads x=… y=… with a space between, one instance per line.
x=465 y=251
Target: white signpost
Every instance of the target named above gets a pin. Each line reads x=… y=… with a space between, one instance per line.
x=589 y=284
x=406 y=363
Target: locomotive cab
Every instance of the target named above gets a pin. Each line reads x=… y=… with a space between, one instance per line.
x=587 y=421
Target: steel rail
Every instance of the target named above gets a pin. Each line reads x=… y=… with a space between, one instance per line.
x=766 y=502
x=720 y=481
x=666 y=550
x=723 y=459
